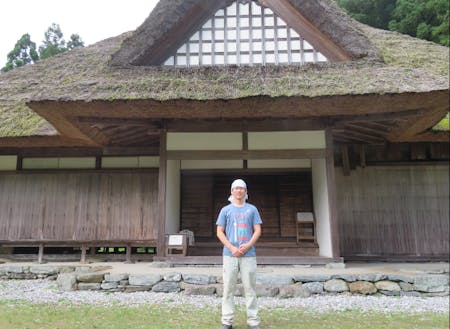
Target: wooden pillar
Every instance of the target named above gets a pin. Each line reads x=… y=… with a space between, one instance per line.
x=162 y=182
x=128 y=254
x=83 y=253
x=245 y=147
x=331 y=183
x=362 y=155
x=41 y=254
x=345 y=160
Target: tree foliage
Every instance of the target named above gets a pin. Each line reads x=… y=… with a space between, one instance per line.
x=425 y=19
x=376 y=13
x=54 y=42
x=25 y=52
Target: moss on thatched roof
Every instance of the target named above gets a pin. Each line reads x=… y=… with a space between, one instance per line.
x=408 y=65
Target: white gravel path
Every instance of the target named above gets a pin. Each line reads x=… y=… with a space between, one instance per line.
x=45 y=291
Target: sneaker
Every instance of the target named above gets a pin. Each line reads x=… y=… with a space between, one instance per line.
x=226 y=326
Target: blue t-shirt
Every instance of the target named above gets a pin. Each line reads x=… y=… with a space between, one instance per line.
x=238 y=222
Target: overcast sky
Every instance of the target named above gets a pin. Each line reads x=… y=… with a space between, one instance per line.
x=93 y=20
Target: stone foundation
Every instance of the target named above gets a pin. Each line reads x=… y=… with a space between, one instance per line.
x=71 y=278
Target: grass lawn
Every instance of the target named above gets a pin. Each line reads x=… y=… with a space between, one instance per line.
x=31 y=316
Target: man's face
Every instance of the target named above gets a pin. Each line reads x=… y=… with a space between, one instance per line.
x=239 y=193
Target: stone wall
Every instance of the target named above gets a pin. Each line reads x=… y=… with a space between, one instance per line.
x=268 y=285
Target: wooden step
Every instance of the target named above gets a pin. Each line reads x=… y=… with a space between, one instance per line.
x=262 y=260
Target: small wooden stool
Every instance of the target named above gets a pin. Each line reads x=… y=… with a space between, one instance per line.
x=306 y=227
x=176 y=244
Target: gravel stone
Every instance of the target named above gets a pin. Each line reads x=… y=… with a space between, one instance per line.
x=115 y=277
x=199 y=279
x=172 y=277
x=399 y=277
x=431 y=283
x=166 y=287
x=109 y=285
x=144 y=280
x=274 y=279
x=387 y=286
x=295 y=290
x=67 y=281
x=373 y=277
x=312 y=277
x=89 y=286
x=335 y=285
x=45 y=291
x=90 y=277
x=362 y=287
x=345 y=277
x=314 y=287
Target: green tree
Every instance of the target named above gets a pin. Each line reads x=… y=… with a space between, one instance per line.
x=425 y=19
x=376 y=13
x=53 y=43
x=75 y=42
x=24 y=52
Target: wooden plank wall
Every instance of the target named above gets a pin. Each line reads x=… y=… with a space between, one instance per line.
x=394 y=211
x=277 y=196
x=78 y=206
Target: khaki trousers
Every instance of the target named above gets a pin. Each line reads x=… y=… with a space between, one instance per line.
x=247 y=268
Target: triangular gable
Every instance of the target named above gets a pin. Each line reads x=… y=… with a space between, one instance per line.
x=330 y=32
x=245 y=33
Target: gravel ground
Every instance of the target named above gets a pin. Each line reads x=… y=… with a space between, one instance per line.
x=45 y=291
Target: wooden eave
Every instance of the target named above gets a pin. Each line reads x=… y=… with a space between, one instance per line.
x=368 y=119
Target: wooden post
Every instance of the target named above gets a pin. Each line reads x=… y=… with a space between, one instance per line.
x=362 y=155
x=331 y=183
x=162 y=180
x=41 y=253
x=128 y=254
x=83 y=253
x=345 y=160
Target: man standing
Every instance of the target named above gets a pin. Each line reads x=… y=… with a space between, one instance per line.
x=238 y=228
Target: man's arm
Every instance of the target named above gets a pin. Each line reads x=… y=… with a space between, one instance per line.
x=223 y=238
x=256 y=234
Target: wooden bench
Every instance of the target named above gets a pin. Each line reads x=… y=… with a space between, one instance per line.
x=83 y=245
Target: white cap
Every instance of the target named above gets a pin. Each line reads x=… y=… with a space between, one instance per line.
x=238 y=183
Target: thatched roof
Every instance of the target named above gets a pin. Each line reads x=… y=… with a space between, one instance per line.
x=406 y=66
x=168 y=15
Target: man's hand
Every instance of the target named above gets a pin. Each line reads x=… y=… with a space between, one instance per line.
x=243 y=248
x=237 y=252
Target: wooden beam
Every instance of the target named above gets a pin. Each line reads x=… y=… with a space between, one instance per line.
x=371 y=117
x=358 y=136
x=179 y=33
x=345 y=160
x=366 y=130
x=376 y=126
x=120 y=122
x=306 y=29
x=414 y=127
x=362 y=155
x=247 y=155
x=162 y=186
x=136 y=150
x=365 y=136
x=332 y=199
x=275 y=124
